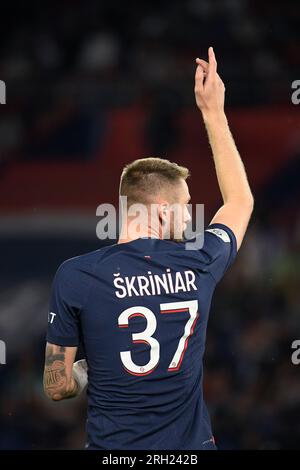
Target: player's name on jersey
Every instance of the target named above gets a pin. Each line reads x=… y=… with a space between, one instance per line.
x=170 y=282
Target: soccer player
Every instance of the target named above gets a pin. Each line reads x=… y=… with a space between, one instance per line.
x=140 y=307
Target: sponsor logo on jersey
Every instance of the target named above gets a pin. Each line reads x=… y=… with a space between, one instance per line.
x=219 y=233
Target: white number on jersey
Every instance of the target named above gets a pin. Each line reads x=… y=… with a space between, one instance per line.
x=146 y=336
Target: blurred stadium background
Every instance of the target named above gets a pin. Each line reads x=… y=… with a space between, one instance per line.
x=93 y=85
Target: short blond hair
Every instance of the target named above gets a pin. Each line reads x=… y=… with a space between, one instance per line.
x=145 y=178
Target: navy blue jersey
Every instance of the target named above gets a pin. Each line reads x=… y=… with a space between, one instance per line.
x=140 y=310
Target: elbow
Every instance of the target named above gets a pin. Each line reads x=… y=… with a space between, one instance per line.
x=247 y=207
x=249 y=203
x=245 y=203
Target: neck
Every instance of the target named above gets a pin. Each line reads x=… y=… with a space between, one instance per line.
x=131 y=233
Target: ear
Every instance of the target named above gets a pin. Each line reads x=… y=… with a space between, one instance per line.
x=163 y=209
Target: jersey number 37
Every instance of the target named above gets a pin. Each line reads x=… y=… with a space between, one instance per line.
x=146 y=336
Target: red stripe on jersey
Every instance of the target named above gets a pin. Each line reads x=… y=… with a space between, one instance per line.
x=136 y=315
x=125 y=325
x=175 y=310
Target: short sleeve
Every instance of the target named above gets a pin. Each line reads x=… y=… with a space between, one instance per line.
x=220 y=249
x=66 y=303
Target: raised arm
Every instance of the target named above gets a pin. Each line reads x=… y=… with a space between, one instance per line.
x=236 y=193
x=62 y=377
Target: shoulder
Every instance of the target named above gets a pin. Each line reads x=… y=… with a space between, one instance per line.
x=220 y=238
x=217 y=236
x=77 y=273
x=73 y=279
x=215 y=249
x=82 y=263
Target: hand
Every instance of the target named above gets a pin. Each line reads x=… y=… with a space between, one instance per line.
x=209 y=88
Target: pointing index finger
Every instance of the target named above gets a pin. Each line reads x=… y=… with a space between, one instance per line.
x=212 y=60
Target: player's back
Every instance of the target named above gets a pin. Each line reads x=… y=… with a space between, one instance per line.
x=141 y=310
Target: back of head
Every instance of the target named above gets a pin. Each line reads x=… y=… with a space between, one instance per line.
x=147 y=179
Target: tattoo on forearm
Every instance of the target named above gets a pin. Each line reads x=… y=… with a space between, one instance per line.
x=51 y=356
x=55 y=378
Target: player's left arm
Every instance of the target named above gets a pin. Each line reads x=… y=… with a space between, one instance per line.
x=59 y=382
x=64 y=378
